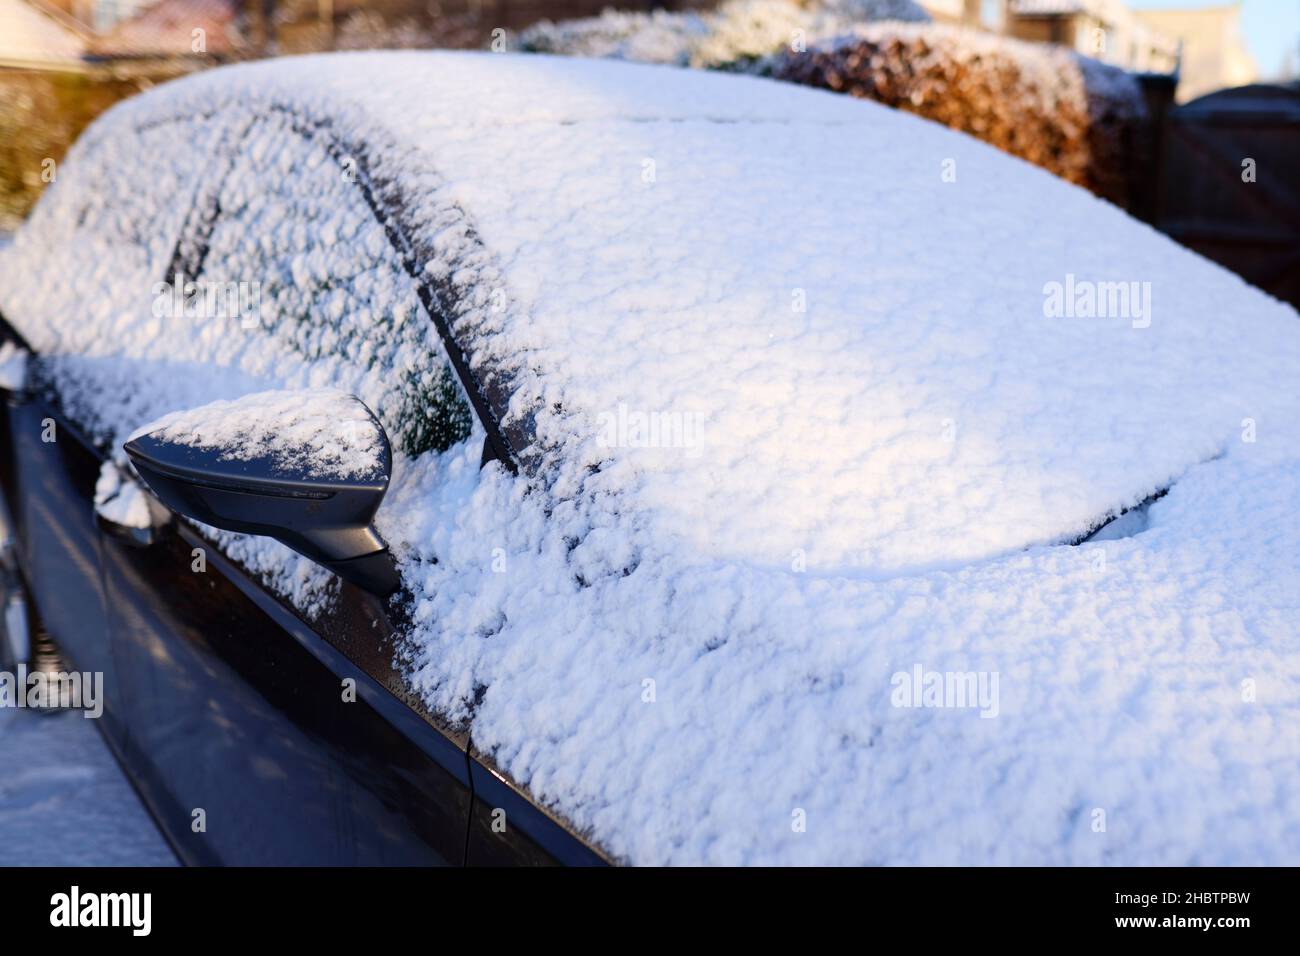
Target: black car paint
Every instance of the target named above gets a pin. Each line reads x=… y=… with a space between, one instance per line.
x=48 y=487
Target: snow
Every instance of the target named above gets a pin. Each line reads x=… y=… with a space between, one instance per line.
x=13 y=366
x=63 y=800
x=1131 y=522
x=121 y=502
x=319 y=433
x=870 y=443
x=1047 y=76
x=737 y=32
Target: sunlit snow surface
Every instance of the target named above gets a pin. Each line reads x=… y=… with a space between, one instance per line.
x=318 y=432
x=886 y=439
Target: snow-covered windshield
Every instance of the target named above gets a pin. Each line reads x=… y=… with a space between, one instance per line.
x=783 y=329
x=911 y=378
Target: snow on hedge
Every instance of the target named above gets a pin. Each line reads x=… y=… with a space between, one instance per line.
x=738 y=31
x=805 y=424
x=1076 y=117
x=1079 y=118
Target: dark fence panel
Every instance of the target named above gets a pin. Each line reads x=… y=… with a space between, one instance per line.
x=1229 y=184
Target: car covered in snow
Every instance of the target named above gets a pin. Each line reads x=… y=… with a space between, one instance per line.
x=479 y=458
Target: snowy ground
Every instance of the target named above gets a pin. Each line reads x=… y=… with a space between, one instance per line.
x=64 y=800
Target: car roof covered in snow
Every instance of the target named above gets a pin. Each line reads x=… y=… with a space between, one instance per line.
x=838 y=312
x=815 y=390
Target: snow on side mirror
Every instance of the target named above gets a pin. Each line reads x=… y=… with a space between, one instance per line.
x=308 y=468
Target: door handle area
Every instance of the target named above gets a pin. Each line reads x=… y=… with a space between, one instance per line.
x=129 y=536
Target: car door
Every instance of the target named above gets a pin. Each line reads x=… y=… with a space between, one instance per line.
x=264 y=732
x=51 y=452
x=48 y=470
x=254 y=736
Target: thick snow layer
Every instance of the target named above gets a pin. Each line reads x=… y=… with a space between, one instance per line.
x=808 y=394
x=63 y=800
x=320 y=433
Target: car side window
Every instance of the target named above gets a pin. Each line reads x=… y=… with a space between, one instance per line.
x=130 y=209
x=98 y=240
x=301 y=286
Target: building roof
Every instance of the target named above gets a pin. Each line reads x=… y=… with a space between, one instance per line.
x=36 y=36
x=167 y=29
x=1047 y=7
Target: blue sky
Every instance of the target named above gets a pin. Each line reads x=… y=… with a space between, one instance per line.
x=1271 y=27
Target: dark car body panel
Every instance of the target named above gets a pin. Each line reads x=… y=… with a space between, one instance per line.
x=508 y=829
x=237 y=708
x=50 y=488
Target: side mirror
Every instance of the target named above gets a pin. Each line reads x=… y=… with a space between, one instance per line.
x=308 y=468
